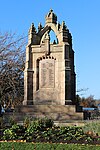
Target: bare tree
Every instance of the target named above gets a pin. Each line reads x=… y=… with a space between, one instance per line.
x=12 y=56
x=88 y=102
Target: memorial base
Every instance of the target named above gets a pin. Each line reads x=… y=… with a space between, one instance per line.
x=58 y=113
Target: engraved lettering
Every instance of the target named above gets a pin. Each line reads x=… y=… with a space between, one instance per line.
x=47 y=73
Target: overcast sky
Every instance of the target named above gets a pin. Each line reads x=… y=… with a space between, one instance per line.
x=82 y=18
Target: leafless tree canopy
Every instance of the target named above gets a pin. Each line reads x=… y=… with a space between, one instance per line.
x=12 y=56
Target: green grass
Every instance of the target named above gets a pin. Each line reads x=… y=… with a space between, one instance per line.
x=46 y=146
x=93 y=126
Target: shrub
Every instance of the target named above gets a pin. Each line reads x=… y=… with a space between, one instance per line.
x=44 y=131
x=45 y=123
x=35 y=128
x=15 y=132
x=27 y=122
x=9 y=134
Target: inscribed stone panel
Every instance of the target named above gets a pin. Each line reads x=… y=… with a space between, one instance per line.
x=47 y=73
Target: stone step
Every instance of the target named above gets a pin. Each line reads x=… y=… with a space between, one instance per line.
x=55 y=112
x=54 y=116
x=46 y=108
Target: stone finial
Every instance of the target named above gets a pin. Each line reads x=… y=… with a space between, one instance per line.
x=32 y=29
x=31 y=33
x=40 y=27
x=51 y=17
x=64 y=27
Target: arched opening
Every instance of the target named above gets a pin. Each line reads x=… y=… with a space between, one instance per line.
x=53 y=38
x=53 y=32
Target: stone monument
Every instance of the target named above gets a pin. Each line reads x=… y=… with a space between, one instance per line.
x=49 y=76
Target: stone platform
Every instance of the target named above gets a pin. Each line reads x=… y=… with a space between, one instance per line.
x=60 y=113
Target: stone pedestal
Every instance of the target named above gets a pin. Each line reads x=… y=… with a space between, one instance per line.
x=59 y=113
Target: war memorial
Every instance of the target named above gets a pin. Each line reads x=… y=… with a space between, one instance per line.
x=49 y=75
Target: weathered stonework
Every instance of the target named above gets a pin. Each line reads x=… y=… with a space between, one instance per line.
x=49 y=76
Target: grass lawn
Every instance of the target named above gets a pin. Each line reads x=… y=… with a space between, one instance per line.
x=45 y=146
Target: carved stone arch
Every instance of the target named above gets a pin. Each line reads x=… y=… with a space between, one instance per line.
x=43 y=36
x=45 y=57
x=47 y=29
